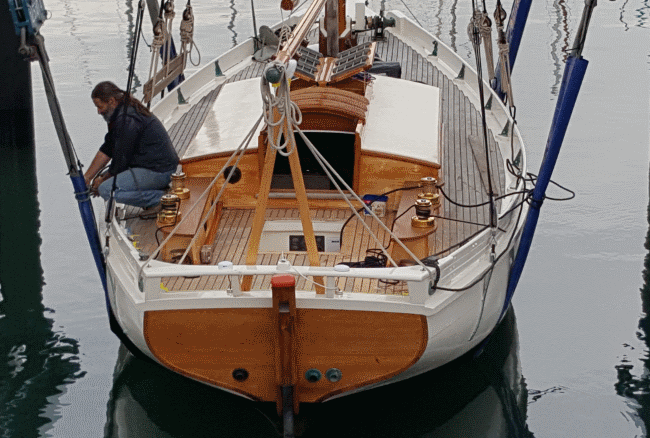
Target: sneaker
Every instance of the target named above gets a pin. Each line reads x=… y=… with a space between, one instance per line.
x=151 y=212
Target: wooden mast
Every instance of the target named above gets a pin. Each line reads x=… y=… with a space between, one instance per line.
x=332 y=28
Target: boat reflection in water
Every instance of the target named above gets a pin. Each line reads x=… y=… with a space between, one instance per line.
x=633 y=384
x=485 y=397
x=37 y=359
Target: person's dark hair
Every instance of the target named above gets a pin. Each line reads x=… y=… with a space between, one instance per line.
x=105 y=90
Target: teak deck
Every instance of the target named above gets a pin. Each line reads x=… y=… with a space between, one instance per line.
x=463 y=182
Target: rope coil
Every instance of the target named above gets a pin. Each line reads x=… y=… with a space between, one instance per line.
x=280 y=106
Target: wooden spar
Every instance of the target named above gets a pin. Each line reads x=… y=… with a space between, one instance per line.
x=301 y=31
x=303 y=206
x=260 y=211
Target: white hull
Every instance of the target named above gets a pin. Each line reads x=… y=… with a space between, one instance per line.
x=456 y=321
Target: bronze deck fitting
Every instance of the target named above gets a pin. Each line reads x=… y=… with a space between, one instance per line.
x=170 y=203
x=178 y=185
x=429 y=187
x=422 y=218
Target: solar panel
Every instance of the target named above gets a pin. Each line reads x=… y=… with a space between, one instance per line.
x=352 y=59
x=312 y=65
x=308 y=62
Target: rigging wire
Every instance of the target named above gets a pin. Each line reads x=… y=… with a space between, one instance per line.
x=134 y=51
x=332 y=174
x=240 y=150
x=412 y=14
x=110 y=206
x=475 y=37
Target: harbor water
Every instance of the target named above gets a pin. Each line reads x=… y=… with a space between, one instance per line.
x=570 y=360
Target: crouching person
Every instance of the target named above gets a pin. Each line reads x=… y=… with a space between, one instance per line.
x=138 y=147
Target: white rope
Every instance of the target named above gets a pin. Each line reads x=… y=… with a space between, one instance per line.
x=159 y=37
x=504 y=56
x=169 y=17
x=309 y=280
x=279 y=104
x=506 y=84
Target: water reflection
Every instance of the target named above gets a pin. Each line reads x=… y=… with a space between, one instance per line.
x=131 y=14
x=641 y=14
x=637 y=388
x=560 y=42
x=231 y=23
x=482 y=398
x=35 y=360
x=452 y=30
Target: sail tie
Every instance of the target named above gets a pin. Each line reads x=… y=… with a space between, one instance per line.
x=485 y=28
x=504 y=51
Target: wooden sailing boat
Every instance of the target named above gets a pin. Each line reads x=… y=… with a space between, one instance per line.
x=367 y=229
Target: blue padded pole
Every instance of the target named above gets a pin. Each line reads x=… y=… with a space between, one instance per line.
x=92 y=233
x=574 y=73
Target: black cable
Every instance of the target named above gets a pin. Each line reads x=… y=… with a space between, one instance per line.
x=512 y=236
x=400 y=215
x=463 y=221
x=458 y=204
x=375 y=258
x=368 y=206
x=160 y=229
x=134 y=51
x=432 y=262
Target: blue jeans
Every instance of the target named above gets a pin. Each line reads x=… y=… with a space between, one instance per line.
x=137 y=186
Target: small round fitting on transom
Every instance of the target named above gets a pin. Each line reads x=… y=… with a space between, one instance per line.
x=313 y=375
x=240 y=374
x=333 y=375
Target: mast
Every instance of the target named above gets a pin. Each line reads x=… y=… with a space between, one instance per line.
x=332 y=28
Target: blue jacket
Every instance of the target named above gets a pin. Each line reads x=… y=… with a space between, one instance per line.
x=136 y=140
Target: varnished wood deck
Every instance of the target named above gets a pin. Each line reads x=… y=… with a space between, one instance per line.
x=460 y=173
